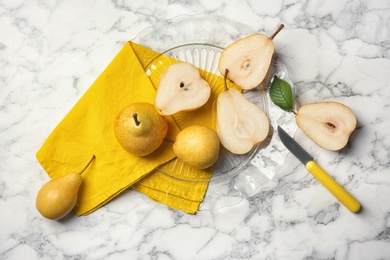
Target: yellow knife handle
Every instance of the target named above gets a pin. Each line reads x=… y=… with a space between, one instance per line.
x=339 y=192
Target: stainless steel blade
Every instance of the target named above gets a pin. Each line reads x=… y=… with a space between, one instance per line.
x=294 y=147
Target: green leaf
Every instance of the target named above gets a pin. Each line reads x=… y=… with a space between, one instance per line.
x=281 y=94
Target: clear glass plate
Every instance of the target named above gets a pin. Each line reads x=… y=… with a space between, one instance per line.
x=200 y=40
x=205 y=57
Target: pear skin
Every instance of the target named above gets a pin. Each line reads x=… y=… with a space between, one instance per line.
x=329 y=124
x=58 y=196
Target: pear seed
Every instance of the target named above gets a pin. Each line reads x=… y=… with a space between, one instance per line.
x=330 y=125
x=246 y=64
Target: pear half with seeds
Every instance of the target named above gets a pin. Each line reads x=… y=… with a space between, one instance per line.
x=329 y=124
x=181 y=88
x=248 y=59
x=240 y=123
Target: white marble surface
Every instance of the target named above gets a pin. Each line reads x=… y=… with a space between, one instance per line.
x=334 y=50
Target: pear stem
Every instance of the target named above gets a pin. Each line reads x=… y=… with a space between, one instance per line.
x=295 y=112
x=224 y=80
x=135 y=116
x=277 y=31
x=168 y=140
x=90 y=161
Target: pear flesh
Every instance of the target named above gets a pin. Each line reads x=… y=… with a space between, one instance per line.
x=181 y=88
x=248 y=59
x=328 y=124
x=140 y=129
x=240 y=123
x=58 y=196
x=197 y=146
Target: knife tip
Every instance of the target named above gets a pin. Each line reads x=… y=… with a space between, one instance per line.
x=280 y=129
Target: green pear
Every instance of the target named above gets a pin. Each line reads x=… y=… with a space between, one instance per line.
x=197 y=146
x=59 y=196
x=140 y=129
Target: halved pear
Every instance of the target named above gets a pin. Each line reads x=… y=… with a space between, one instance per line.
x=181 y=88
x=329 y=124
x=248 y=59
x=240 y=123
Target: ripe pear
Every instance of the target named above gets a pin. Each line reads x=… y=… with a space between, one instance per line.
x=140 y=129
x=328 y=124
x=181 y=88
x=240 y=123
x=248 y=59
x=59 y=196
x=197 y=146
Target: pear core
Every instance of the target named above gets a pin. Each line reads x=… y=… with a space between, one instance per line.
x=140 y=129
x=181 y=88
x=197 y=146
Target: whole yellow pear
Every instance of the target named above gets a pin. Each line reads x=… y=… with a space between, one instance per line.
x=197 y=146
x=58 y=196
x=140 y=129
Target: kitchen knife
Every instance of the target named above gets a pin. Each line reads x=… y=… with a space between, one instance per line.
x=339 y=192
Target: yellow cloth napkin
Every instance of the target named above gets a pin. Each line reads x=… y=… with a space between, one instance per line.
x=88 y=129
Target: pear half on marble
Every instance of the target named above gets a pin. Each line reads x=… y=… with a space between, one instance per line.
x=248 y=59
x=181 y=88
x=240 y=123
x=329 y=124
